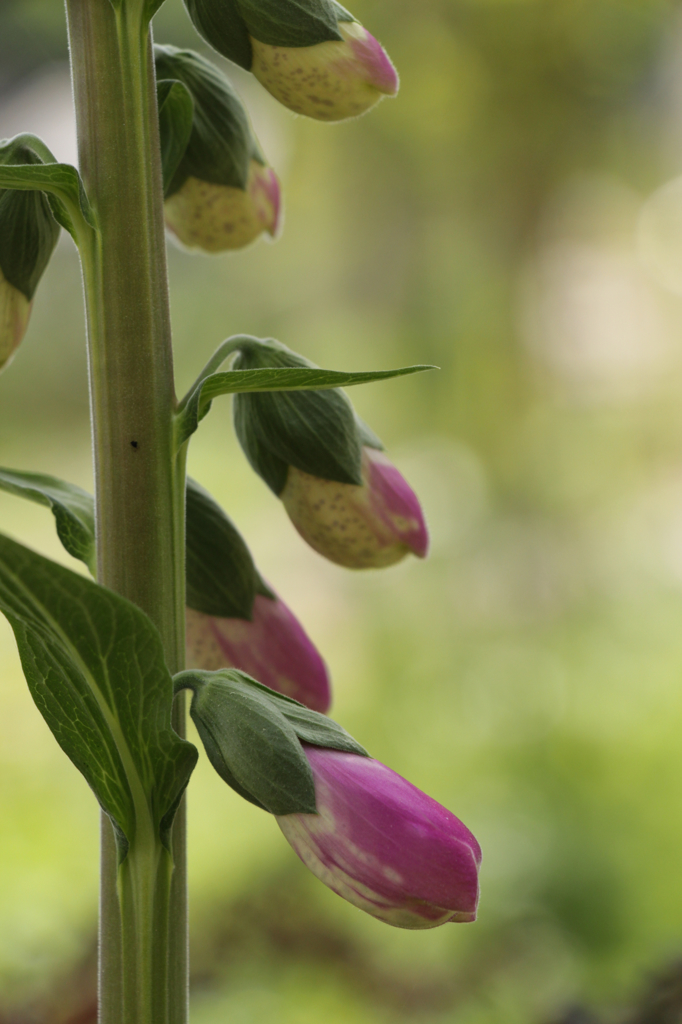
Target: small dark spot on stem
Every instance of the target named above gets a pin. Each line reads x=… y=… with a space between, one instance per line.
x=133 y=444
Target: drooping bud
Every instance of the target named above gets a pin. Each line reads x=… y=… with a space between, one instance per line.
x=371 y=526
x=384 y=845
x=28 y=235
x=341 y=492
x=312 y=56
x=221 y=195
x=234 y=620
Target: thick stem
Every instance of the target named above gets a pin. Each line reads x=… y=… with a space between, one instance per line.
x=139 y=485
x=144 y=891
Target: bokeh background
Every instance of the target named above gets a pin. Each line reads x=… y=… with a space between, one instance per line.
x=496 y=220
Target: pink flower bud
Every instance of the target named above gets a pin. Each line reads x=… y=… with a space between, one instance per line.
x=214 y=218
x=329 y=81
x=15 y=310
x=364 y=527
x=383 y=845
x=272 y=647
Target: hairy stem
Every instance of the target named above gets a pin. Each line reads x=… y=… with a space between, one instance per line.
x=139 y=484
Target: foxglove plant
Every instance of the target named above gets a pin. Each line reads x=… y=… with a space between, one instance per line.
x=162 y=134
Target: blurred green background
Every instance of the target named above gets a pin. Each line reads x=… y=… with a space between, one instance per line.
x=528 y=675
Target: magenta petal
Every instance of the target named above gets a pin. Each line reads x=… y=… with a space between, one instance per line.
x=371 y=55
x=385 y=846
x=393 y=500
x=266 y=196
x=273 y=648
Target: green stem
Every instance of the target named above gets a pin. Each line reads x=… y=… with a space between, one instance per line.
x=139 y=483
x=144 y=898
x=223 y=352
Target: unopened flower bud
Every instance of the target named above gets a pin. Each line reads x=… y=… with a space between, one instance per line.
x=341 y=492
x=28 y=235
x=234 y=620
x=313 y=57
x=215 y=218
x=271 y=646
x=221 y=195
x=383 y=845
x=364 y=527
x=330 y=81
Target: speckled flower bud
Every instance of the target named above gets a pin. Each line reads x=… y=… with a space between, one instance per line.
x=343 y=495
x=219 y=194
x=311 y=55
x=383 y=845
x=215 y=218
x=370 y=526
x=330 y=81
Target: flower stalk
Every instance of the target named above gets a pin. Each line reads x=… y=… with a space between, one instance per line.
x=139 y=482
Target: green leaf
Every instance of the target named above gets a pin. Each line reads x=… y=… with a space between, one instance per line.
x=94 y=665
x=249 y=741
x=221 y=576
x=152 y=7
x=62 y=182
x=176 y=112
x=229 y=382
x=73 y=509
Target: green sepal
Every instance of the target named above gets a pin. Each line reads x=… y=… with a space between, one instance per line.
x=291 y=22
x=249 y=741
x=306 y=377
x=228 y=24
x=311 y=726
x=367 y=435
x=220 y=23
x=95 y=668
x=176 y=113
x=28 y=230
x=73 y=509
x=315 y=431
x=221 y=143
x=221 y=576
x=62 y=182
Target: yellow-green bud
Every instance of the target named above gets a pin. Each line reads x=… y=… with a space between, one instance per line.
x=330 y=81
x=221 y=195
x=215 y=218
